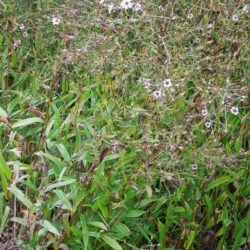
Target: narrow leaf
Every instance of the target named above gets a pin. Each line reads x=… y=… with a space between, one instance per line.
x=27 y=122
x=47 y=225
x=111 y=242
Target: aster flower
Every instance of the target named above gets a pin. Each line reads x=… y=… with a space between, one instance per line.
x=208 y=124
x=197 y=40
x=234 y=110
x=21 y=26
x=17 y=43
x=25 y=34
x=126 y=4
x=147 y=85
x=190 y=16
x=167 y=83
x=204 y=112
x=194 y=167
x=56 y=20
x=235 y=18
x=157 y=94
x=137 y=6
x=245 y=9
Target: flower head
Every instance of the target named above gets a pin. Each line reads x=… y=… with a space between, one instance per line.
x=21 y=26
x=17 y=43
x=194 y=167
x=197 y=40
x=204 y=112
x=137 y=6
x=56 y=20
x=235 y=18
x=208 y=124
x=25 y=34
x=167 y=83
x=126 y=4
x=234 y=110
x=190 y=16
x=245 y=9
x=157 y=94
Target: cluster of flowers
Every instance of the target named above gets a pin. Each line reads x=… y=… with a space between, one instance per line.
x=235 y=18
x=24 y=33
x=124 y=5
x=167 y=83
x=208 y=124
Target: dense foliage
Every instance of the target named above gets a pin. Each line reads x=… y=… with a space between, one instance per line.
x=124 y=124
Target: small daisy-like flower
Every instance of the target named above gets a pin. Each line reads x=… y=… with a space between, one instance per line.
x=157 y=94
x=204 y=112
x=161 y=8
x=194 y=167
x=21 y=26
x=167 y=83
x=197 y=40
x=234 y=110
x=190 y=16
x=126 y=4
x=17 y=43
x=235 y=18
x=102 y=1
x=208 y=124
x=147 y=85
x=245 y=9
x=137 y=6
x=25 y=34
x=56 y=20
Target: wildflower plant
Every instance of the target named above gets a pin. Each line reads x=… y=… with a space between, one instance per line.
x=124 y=124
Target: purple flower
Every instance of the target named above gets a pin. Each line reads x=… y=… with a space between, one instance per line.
x=234 y=110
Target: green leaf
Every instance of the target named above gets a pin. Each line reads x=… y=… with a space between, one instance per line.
x=64 y=152
x=85 y=231
x=47 y=225
x=60 y=184
x=21 y=197
x=145 y=202
x=4 y=219
x=5 y=174
x=4 y=167
x=78 y=200
x=111 y=242
x=62 y=196
x=99 y=225
x=218 y=182
x=59 y=164
x=134 y=213
x=27 y=122
x=122 y=229
x=190 y=239
x=3 y=113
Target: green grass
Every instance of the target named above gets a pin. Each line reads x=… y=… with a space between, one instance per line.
x=91 y=159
